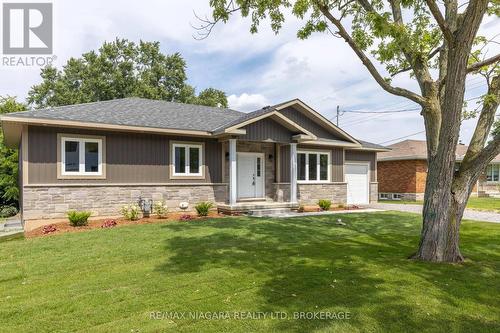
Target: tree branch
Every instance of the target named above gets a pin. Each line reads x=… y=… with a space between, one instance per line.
x=440 y=20
x=477 y=66
x=476 y=154
x=366 y=61
x=429 y=57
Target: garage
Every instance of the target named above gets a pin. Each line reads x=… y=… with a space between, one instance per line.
x=356 y=177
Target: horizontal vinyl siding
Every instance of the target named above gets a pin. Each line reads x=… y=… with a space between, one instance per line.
x=130 y=157
x=265 y=130
x=364 y=156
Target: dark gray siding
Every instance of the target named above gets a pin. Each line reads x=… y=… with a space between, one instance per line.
x=265 y=130
x=337 y=165
x=337 y=162
x=130 y=157
x=284 y=164
x=310 y=125
x=364 y=156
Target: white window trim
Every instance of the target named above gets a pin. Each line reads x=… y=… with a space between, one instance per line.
x=187 y=164
x=316 y=152
x=81 y=147
x=493 y=165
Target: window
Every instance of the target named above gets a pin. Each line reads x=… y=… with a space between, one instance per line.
x=397 y=196
x=187 y=159
x=384 y=196
x=313 y=166
x=493 y=173
x=81 y=156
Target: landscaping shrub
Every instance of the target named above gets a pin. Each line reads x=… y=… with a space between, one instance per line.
x=301 y=209
x=185 y=217
x=203 y=208
x=49 y=229
x=160 y=209
x=130 y=212
x=8 y=211
x=77 y=219
x=109 y=224
x=324 y=204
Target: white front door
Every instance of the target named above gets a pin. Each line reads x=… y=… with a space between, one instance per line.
x=356 y=177
x=250 y=174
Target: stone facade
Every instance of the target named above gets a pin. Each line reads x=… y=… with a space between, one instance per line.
x=53 y=202
x=309 y=194
x=373 y=192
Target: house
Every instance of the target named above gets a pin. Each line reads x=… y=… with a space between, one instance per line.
x=100 y=156
x=402 y=172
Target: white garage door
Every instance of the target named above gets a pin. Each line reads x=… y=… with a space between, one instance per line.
x=356 y=176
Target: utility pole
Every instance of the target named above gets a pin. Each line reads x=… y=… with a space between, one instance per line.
x=338 y=113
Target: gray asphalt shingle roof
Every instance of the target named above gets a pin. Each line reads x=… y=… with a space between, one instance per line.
x=140 y=112
x=143 y=112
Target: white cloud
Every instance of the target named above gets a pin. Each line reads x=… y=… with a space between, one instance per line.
x=247 y=102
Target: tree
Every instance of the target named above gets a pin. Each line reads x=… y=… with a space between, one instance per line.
x=9 y=190
x=120 y=69
x=423 y=38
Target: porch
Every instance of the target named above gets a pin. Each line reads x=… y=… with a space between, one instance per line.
x=260 y=175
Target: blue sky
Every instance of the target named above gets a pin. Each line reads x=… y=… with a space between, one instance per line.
x=254 y=70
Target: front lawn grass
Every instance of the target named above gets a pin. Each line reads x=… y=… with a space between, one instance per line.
x=485 y=204
x=111 y=280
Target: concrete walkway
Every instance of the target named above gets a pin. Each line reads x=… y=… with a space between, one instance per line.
x=469 y=214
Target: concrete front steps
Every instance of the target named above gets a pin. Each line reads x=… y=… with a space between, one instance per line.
x=270 y=212
x=257 y=208
x=11 y=226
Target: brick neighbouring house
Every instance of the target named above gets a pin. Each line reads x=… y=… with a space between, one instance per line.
x=402 y=172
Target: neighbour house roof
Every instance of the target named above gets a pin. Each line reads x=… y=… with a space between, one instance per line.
x=139 y=114
x=417 y=150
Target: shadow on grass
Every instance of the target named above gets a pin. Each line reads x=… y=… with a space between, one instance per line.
x=310 y=264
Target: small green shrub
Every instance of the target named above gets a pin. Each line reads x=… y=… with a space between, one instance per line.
x=203 y=208
x=160 y=209
x=130 y=212
x=77 y=219
x=8 y=211
x=301 y=209
x=325 y=204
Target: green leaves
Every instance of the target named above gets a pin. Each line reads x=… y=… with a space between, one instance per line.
x=9 y=173
x=119 y=69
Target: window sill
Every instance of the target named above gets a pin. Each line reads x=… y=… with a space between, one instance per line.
x=81 y=176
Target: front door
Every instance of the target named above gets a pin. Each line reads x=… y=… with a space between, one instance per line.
x=250 y=173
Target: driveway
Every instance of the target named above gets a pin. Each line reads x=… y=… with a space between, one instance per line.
x=469 y=214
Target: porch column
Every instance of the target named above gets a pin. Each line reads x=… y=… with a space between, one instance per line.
x=232 y=172
x=293 y=172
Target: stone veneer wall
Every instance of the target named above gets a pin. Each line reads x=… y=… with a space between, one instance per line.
x=46 y=202
x=309 y=194
x=373 y=192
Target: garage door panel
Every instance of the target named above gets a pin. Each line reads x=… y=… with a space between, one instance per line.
x=357 y=184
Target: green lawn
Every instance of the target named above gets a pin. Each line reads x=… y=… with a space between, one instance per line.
x=111 y=280
x=486 y=204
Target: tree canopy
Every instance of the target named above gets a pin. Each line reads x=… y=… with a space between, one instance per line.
x=9 y=191
x=121 y=69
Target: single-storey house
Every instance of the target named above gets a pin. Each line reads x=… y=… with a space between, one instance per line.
x=402 y=172
x=100 y=156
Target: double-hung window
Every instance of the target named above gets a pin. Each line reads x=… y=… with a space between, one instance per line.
x=81 y=156
x=313 y=166
x=493 y=173
x=187 y=159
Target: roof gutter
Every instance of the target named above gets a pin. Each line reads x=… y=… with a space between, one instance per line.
x=80 y=124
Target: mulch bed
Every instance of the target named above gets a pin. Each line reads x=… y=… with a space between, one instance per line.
x=65 y=227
